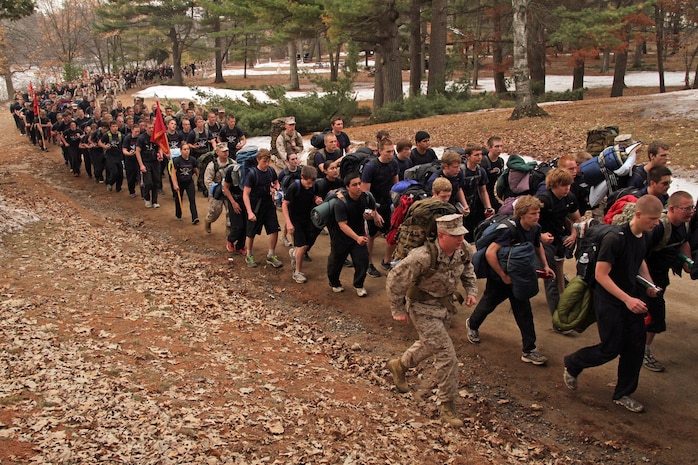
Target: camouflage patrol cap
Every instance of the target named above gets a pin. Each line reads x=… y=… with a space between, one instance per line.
x=451 y=224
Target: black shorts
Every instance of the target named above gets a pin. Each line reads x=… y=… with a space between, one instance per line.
x=305 y=234
x=266 y=216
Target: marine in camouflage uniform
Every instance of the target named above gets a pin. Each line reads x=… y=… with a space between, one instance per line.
x=429 y=277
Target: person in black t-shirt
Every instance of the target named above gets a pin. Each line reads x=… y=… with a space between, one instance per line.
x=259 y=204
x=349 y=235
x=665 y=257
x=72 y=137
x=233 y=135
x=147 y=153
x=559 y=211
x=620 y=310
x=378 y=177
x=499 y=288
x=343 y=141
x=331 y=181
x=299 y=199
x=111 y=143
x=422 y=153
x=184 y=173
x=128 y=148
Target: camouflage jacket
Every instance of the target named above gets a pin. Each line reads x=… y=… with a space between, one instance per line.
x=435 y=284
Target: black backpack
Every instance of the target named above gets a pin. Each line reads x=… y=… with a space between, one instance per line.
x=354 y=162
x=318 y=139
x=589 y=246
x=422 y=173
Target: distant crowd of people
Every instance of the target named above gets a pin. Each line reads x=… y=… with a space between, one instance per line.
x=373 y=187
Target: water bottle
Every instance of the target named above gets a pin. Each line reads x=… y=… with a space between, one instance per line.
x=582 y=265
x=278 y=199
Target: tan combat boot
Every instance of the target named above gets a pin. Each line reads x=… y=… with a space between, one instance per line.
x=397 y=369
x=448 y=415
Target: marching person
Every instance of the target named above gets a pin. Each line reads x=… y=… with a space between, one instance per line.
x=429 y=304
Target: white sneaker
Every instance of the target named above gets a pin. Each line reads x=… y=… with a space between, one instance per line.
x=299 y=277
x=156 y=205
x=337 y=289
x=361 y=291
x=148 y=204
x=285 y=241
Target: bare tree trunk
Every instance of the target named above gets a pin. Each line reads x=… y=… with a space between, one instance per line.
x=476 y=46
x=9 y=85
x=416 y=60
x=525 y=101
x=218 y=53
x=659 y=24
x=619 y=74
x=500 y=86
x=378 y=86
x=177 y=78
x=390 y=54
x=436 y=82
x=637 y=56
x=605 y=61
x=536 y=57
x=578 y=74
x=292 y=52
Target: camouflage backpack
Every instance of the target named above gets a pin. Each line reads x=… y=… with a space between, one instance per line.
x=277 y=127
x=599 y=138
x=420 y=225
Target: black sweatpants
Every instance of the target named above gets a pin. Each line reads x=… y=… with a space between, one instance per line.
x=622 y=333
x=496 y=292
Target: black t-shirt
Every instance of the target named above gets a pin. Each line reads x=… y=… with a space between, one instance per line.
x=472 y=180
x=402 y=165
x=381 y=176
x=554 y=212
x=213 y=130
x=129 y=143
x=625 y=254
x=493 y=170
x=199 y=144
x=232 y=136
x=420 y=159
x=114 y=143
x=301 y=201
x=504 y=238
x=456 y=184
x=661 y=261
x=351 y=211
x=260 y=183
x=324 y=185
x=149 y=150
x=184 y=169
x=175 y=140
x=73 y=137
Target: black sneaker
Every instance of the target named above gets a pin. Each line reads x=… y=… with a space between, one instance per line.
x=348 y=264
x=386 y=265
x=307 y=258
x=373 y=272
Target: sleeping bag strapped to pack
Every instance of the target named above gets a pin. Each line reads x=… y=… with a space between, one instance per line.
x=518 y=260
x=323 y=215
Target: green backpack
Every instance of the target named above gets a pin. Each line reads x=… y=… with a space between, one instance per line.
x=420 y=225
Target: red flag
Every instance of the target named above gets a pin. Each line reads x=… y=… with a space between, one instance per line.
x=36 y=105
x=160 y=132
x=31 y=88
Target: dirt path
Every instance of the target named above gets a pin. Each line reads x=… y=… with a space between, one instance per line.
x=129 y=337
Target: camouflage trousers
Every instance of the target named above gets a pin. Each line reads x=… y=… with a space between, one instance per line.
x=215 y=208
x=434 y=340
